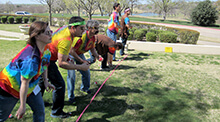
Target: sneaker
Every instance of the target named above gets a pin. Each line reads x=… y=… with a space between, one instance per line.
x=61 y=115
x=72 y=101
x=115 y=60
x=86 y=91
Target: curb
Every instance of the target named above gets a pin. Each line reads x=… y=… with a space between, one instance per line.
x=178 y=48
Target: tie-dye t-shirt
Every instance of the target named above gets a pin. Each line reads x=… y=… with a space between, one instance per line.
x=114 y=18
x=83 y=44
x=61 y=42
x=29 y=63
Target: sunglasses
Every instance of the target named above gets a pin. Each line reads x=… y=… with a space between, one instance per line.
x=49 y=32
x=95 y=28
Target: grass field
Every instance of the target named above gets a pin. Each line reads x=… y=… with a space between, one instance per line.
x=147 y=86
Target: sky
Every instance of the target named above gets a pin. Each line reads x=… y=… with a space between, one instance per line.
x=35 y=1
x=20 y=1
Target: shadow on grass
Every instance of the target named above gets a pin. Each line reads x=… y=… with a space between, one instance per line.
x=110 y=106
x=151 y=103
x=138 y=57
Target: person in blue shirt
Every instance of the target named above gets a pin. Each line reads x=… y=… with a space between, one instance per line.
x=124 y=33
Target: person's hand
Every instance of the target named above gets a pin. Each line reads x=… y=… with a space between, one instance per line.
x=100 y=58
x=85 y=61
x=49 y=86
x=84 y=66
x=20 y=112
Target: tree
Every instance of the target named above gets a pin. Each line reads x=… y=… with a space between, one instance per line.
x=9 y=6
x=204 y=14
x=58 y=6
x=71 y=4
x=163 y=6
x=132 y=3
x=49 y=3
x=89 y=6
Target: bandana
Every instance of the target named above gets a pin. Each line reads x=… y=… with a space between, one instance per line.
x=128 y=9
x=77 y=23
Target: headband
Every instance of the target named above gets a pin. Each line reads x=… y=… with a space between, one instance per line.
x=77 y=23
x=128 y=9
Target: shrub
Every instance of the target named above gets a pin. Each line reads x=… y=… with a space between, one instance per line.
x=145 y=30
x=139 y=34
x=10 y=19
x=156 y=31
x=131 y=36
x=32 y=19
x=204 y=14
x=188 y=37
x=18 y=19
x=151 y=37
x=168 y=36
x=25 y=19
x=4 y=19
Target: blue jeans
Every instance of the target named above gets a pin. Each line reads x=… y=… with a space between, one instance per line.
x=113 y=36
x=36 y=103
x=71 y=79
x=124 y=40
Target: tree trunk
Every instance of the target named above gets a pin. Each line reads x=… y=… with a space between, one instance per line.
x=50 y=16
x=79 y=11
x=100 y=9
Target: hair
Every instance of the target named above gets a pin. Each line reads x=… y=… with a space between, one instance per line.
x=126 y=8
x=75 y=19
x=36 y=28
x=91 y=23
x=115 y=5
x=119 y=45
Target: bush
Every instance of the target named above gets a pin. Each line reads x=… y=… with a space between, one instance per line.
x=204 y=14
x=131 y=36
x=151 y=37
x=188 y=37
x=168 y=36
x=139 y=34
x=10 y=19
x=18 y=19
x=4 y=19
x=25 y=19
x=32 y=19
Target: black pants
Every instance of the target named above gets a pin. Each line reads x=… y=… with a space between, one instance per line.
x=59 y=93
x=104 y=62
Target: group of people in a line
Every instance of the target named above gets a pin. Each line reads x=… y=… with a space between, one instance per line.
x=26 y=77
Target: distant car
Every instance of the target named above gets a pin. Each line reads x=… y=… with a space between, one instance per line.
x=22 y=13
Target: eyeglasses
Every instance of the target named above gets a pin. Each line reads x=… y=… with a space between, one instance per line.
x=49 y=32
x=95 y=28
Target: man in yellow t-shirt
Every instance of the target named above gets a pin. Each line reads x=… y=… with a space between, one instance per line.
x=79 y=47
x=62 y=40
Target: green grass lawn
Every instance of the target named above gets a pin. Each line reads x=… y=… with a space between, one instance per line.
x=147 y=86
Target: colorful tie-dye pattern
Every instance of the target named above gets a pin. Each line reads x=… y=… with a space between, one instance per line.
x=29 y=63
x=61 y=42
x=84 y=43
x=113 y=18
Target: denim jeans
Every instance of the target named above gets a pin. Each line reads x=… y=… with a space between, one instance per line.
x=113 y=36
x=71 y=79
x=36 y=103
x=59 y=93
x=124 y=40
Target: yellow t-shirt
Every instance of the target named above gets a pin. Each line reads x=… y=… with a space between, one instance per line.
x=61 y=42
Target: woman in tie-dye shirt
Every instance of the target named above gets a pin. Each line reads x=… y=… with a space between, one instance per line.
x=18 y=80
